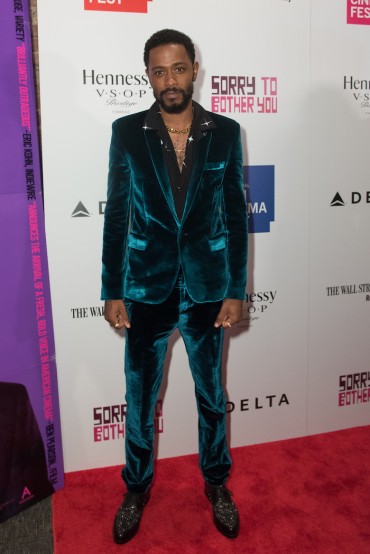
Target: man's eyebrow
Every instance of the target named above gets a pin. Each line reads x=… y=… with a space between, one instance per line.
x=176 y=64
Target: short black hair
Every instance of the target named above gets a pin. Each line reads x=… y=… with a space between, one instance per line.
x=169 y=36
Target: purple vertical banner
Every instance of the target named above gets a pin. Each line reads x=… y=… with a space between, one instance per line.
x=31 y=460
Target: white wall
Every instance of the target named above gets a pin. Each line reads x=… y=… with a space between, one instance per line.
x=283 y=364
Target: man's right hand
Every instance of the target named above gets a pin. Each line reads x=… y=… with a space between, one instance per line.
x=116 y=315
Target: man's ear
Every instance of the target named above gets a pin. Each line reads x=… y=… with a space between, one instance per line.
x=195 y=71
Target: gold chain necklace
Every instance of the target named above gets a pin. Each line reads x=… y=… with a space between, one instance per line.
x=182 y=132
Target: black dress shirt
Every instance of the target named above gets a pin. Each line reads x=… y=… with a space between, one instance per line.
x=179 y=180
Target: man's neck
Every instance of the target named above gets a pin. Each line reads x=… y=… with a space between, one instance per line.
x=178 y=121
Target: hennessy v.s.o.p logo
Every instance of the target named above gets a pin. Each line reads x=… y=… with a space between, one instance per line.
x=134 y=6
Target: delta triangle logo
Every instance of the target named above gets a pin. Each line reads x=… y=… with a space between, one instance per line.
x=80 y=211
x=337 y=200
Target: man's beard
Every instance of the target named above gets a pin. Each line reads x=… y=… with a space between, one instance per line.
x=176 y=107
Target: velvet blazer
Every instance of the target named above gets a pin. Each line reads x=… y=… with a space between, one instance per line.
x=145 y=243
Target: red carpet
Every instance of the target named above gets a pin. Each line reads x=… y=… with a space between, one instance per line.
x=310 y=494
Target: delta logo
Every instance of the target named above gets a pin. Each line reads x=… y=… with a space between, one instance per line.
x=356 y=198
x=133 y=6
x=80 y=211
x=358 y=12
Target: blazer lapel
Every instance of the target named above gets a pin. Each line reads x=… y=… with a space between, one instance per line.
x=198 y=166
x=156 y=155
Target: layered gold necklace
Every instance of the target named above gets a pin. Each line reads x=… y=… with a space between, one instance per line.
x=182 y=132
x=175 y=131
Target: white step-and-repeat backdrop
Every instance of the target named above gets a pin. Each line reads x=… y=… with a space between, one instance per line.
x=296 y=75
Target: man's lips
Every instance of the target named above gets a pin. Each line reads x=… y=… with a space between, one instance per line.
x=171 y=93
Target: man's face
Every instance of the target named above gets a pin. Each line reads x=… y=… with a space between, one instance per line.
x=171 y=75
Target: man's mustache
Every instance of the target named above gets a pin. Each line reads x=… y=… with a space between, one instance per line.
x=173 y=89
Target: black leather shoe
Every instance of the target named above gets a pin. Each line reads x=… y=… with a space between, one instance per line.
x=225 y=513
x=127 y=520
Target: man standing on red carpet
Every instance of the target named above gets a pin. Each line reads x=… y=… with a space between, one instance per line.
x=174 y=256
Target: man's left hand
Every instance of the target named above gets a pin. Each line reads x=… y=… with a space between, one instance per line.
x=230 y=313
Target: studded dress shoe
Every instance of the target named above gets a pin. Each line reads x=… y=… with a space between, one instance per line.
x=127 y=520
x=225 y=513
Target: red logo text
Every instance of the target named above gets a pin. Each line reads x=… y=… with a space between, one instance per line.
x=135 y=6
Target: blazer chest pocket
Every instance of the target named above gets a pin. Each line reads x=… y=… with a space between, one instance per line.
x=137 y=242
x=213 y=166
x=217 y=243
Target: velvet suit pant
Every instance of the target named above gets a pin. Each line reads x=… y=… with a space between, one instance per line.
x=146 y=345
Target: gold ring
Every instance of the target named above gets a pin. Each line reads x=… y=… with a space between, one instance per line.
x=117 y=325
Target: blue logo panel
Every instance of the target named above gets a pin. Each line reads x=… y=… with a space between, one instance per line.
x=259 y=185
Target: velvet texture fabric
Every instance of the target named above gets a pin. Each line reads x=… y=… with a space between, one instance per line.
x=146 y=344
x=174 y=273
x=145 y=243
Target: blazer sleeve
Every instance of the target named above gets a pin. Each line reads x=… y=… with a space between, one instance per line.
x=116 y=220
x=236 y=220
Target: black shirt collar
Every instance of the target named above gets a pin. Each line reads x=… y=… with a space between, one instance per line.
x=202 y=119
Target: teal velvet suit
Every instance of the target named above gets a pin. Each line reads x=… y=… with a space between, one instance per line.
x=172 y=274
x=145 y=243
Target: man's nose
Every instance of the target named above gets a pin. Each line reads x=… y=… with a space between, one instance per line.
x=170 y=79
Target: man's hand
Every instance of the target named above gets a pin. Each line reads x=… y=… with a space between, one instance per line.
x=230 y=313
x=116 y=315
